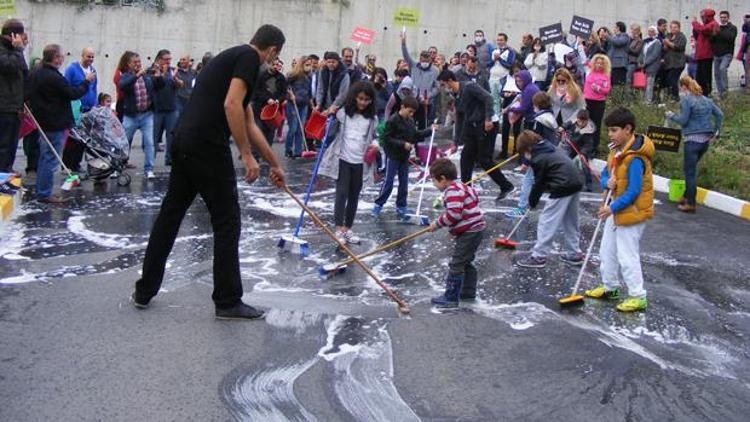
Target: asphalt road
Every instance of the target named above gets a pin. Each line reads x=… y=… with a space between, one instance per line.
x=73 y=348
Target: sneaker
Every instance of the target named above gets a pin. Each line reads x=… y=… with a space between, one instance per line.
x=351 y=238
x=686 y=208
x=341 y=236
x=601 y=293
x=240 y=311
x=54 y=199
x=504 y=193
x=140 y=304
x=516 y=212
x=532 y=262
x=114 y=175
x=376 y=209
x=633 y=304
x=575 y=259
x=150 y=175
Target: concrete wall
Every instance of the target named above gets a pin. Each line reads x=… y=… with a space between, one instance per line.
x=197 y=26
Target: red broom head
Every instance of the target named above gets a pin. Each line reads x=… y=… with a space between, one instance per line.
x=505 y=243
x=309 y=154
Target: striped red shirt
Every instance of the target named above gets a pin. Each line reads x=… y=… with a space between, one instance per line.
x=462 y=212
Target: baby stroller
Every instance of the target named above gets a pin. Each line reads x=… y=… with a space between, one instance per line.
x=105 y=143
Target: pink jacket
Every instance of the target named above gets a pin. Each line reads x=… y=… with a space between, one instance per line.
x=601 y=80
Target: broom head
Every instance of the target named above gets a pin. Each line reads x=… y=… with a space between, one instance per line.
x=572 y=300
x=505 y=243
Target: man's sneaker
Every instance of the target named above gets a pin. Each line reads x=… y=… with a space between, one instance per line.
x=504 y=193
x=573 y=258
x=516 y=212
x=601 y=293
x=403 y=212
x=140 y=304
x=376 y=209
x=150 y=175
x=532 y=262
x=633 y=304
x=240 y=311
x=351 y=238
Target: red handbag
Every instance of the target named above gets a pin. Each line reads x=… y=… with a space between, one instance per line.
x=639 y=79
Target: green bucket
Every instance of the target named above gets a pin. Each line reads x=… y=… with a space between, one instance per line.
x=676 y=189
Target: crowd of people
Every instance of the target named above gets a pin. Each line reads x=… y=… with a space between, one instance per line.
x=546 y=103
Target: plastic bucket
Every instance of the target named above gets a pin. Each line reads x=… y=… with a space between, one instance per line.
x=271 y=114
x=676 y=190
x=316 y=126
x=422 y=153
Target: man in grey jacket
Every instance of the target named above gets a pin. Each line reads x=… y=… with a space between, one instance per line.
x=424 y=75
x=723 y=46
x=618 y=53
x=13 y=74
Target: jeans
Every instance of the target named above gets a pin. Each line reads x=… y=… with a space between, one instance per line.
x=348 y=186
x=558 y=214
x=629 y=76
x=648 y=95
x=48 y=163
x=294 y=136
x=165 y=121
x=703 y=75
x=145 y=122
x=526 y=185
x=205 y=169
x=31 y=150
x=10 y=124
x=693 y=153
x=479 y=147
x=721 y=65
x=395 y=168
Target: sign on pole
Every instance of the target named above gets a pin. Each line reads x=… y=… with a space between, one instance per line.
x=665 y=138
x=581 y=27
x=551 y=34
x=7 y=8
x=362 y=35
x=405 y=16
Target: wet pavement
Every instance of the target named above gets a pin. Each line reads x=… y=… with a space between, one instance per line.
x=336 y=349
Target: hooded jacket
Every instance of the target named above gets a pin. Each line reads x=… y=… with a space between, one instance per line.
x=553 y=172
x=703 y=32
x=394 y=102
x=526 y=107
x=723 y=42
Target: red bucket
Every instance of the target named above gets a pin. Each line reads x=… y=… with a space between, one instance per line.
x=422 y=153
x=639 y=80
x=272 y=115
x=316 y=126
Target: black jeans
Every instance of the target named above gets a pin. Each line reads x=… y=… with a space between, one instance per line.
x=462 y=260
x=207 y=169
x=704 y=75
x=10 y=124
x=596 y=112
x=619 y=76
x=479 y=147
x=673 y=82
x=31 y=150
x=348 y=185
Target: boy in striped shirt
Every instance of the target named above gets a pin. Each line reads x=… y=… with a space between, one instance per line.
x=466 y=222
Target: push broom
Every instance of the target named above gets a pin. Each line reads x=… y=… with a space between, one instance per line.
x=297 y=245
x=403 y=307
x=340 y=267
x=72 y=180
x=506 y=242
x=576 y=299
x=306 y=153
x=417 y=218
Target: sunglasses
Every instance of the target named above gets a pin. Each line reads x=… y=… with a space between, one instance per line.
x=562 y=81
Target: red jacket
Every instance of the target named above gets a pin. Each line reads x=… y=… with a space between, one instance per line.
x=703 y=33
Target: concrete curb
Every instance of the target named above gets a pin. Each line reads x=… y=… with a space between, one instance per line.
x=705 y=197
x=9 y=204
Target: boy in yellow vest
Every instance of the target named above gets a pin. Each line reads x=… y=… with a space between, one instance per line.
x=628 y=176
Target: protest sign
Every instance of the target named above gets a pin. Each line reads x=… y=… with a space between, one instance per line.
x=363 y=35
x=551 y=34
x=665 y=138
x=7 y=8
x=581 y=27
x=406 y=17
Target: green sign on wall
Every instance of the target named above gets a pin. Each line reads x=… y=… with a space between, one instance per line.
x=7 y=8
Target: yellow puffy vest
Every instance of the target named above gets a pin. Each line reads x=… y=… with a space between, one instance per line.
x=643 y=207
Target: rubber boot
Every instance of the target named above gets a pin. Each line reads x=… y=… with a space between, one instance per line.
x=469 y=286
x=449 y=299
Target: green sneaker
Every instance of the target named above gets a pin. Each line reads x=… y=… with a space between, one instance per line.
x=633 y=304
x=602 y=293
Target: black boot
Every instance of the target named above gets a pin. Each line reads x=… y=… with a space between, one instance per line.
x=449 y=299
x=239 y=311
x=469 y=287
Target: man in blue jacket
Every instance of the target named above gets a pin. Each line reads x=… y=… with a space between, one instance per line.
x=76 y=74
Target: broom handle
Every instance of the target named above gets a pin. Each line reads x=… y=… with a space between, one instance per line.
x=299 y=120
x=313 y=176
x=591 y=246
x=497 y=166
x=402 y=306
x=46 y=139
x=523 y=217
x=427 y=166
x=584 y=160
x=384 y=247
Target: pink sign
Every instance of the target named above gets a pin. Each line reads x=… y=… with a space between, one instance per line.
x=363 y=35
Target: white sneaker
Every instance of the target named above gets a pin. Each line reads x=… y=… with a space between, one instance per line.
x=150 y=175
x=114 y=175
x=341 y=236
x=351 y=238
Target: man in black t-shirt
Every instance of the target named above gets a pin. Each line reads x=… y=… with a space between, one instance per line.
x=202 y=164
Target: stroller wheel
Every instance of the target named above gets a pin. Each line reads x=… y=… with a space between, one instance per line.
x=123 y=179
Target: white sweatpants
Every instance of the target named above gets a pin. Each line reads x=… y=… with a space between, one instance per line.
x=620 y=257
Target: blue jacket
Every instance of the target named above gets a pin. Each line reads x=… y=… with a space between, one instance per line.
x=618 y=50
x=695 y=115
x=75 y=76
x=165 y=99
x=127 y=86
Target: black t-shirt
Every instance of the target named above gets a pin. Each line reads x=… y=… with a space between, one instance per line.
x=203 y=117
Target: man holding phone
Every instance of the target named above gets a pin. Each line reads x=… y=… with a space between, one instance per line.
x=13 y=73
